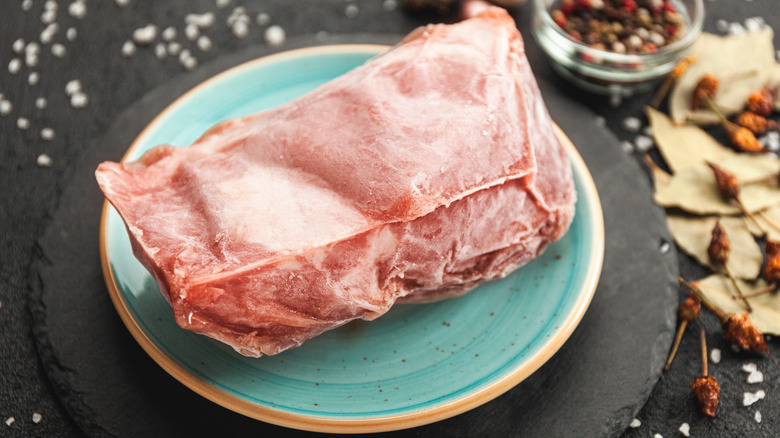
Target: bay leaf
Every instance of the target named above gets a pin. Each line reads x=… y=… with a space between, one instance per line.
x=695 y=191
x=687 y=146
x=693 y=234
x=770 y=221
x=744 y=63
x=661 y=178
x=765 y=316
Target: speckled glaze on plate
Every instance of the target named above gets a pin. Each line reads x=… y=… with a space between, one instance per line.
x=415 y=365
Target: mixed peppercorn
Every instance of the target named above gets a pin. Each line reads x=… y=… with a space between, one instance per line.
x=621 y=26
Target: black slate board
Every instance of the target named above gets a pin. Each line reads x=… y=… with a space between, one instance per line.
x=593 y=386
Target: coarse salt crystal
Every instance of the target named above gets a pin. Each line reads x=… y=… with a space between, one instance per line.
x=5 y=107
x=351 y=11
x=749 y=367
x=755 y=377
x=238 y=15
x=191 y=31
x=169 y=34
x=79 y=100
x=33 y=78
x=49 y=16
x=23 y=123
x=632 y=124
x=31 y=60
x=174 y=48
x=321 y=36
x=187 y=60
x=47 y=134
x=159 y=51
x=145 y=35
x=36 y=417
x=50 y=4
x=78 y=9
x=658 y=435
x=736 y=29
x=72 y=87
x=240 y=29
x=389 y=5
x=9 y=421
x=32 y=49
x=222 y=3
x=664 y=248
x=128 y=49
x=627 y=147
x=615 y=100
x=27 y=5
x=44 y=160
x=685 y=429
x=41 y=103
x=122 y=3
x=635 y=423
x=14 y=66
x=752 y=25
x=204 y=43
x=71 y=33
x=749 y=398
x=715 y=355
x=18 y=46
x=201 y=20
x=47 y=34
x=600 y=121
x=643 y=143
x=274 y=36
x=757 y=416
x=263 y=19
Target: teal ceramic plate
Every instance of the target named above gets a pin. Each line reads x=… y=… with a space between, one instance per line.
x=415 y=365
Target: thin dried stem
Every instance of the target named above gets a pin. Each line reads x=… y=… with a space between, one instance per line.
x=722 y=316
x=677 y=339
x=739 y=290
x=703 y=353
x=770 y=288
x=750 y=215
x=771 y=223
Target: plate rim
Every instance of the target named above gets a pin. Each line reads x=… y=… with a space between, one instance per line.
x=370 y=424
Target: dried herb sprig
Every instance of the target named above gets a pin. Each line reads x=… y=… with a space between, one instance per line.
x=705 y=387
x=687 y=311
x=737 y=328
x=671 y=79
x=718 y=251
x=729 y=189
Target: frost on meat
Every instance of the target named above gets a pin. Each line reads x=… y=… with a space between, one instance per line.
x=415 y=177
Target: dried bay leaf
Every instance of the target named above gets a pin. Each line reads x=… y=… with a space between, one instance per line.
x=695 y=191
x=661 y=178
x=766 y=308
x=692 y=234
x=744 y=63
x=770 y=221
x=687 y=146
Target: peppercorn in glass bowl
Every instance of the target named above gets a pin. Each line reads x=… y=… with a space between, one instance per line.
x=616 y=47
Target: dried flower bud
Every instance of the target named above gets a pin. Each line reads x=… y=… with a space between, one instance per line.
x=689 y=309
x=719 y=247
x=756 y=124
x=762 y=102
x=772 y=269
x=728 y=186
x=682 y=66
x=707 y=392
x=705 y=89
x=740 y=331
x=744 y=140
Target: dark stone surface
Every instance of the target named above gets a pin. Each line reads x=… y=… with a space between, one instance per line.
x=104 y=380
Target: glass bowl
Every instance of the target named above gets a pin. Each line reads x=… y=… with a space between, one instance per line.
x=606 y=72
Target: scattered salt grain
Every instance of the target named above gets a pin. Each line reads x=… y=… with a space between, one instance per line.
x=187 y=60
x=685 y=429
x=722 y=25
x=27 y=5
x=31 y=60
x=72 y=87
x=389 y=5
x=715 y=355
x=223 y=3
x=78 y=9
x=351 y=11
x=23 y=123
x=58 y=50
x=321 y=36
x=238 y=15
x=755 y=377
x=9 y=421
x=71 y=33
x=122 y=3
x=665 y=247
x=32 y=49
x=658 y=435
x=274 y=36
x=47 y=34
x=643 y=143
x=33 y=78
x=627 y=147
x=5 y=107
x=632 y=124
x=647 y=131
x=749 y=367
x=47 y=134
x=174 y=48
x=41 y=103
x=18 y=46
x=736 y=29
x=192 y=32
x=635 y=423
x=757 y=416
x=44 y=160
x=49 y=16
x=240 y=29
x=50 y=4
x=600 y=121
x=169 y=34
x=79 y=100
x=159 y=51
x=263 y=19
x=752 y=24
x=128 y=49
x=204 y=43
x=14 y=66
x=772 y=139
x=749 y=398
x=203 y=21
x=36 y=417
x=615 y=100
x=145 y=35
